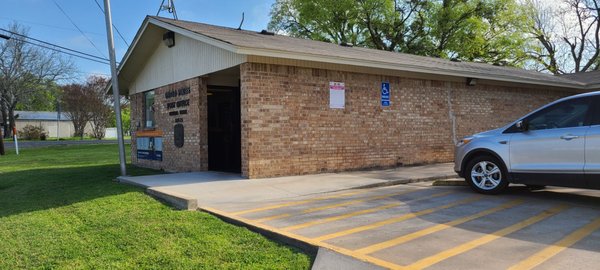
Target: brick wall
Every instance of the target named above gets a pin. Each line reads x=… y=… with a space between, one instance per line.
x=288 y=127
x=193 y=156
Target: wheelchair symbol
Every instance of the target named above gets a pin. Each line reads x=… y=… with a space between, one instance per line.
x=385 y=89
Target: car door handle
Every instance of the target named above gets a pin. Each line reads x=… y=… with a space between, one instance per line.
x=569 y=137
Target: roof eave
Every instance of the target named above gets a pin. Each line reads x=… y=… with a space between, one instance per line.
x=136 y=39
x=593 y=86
x=182 y=31
x=332 y=59
x=200 y=37
x=401 y=67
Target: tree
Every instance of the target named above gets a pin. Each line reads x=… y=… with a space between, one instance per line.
x=43 y=99
x=324 y=20
x=450 y=18
x=87 y=103
x=568 y=35
x=475 y=30
x=99 y=106
x=125 y=116
x=24 y=70
x=481 y=31
x=75 y=101
x=396 y=25
x=381 y=24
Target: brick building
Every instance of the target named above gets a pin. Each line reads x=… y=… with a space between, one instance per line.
x=212 y=98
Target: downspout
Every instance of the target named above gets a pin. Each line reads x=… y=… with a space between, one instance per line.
x=451 y=114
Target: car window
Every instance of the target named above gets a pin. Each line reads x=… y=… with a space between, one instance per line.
x=596 y=109
x=570 y=113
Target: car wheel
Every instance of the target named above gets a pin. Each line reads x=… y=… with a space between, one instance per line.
x=487 y=175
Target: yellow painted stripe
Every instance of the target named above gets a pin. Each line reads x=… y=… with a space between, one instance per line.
x=336 y=205
x=357 y=213
x=340 y=217
x=281 y=205
x=395 y=220
x=347 y=252
x=429 y=261
x=557 y=247
x=436 y=228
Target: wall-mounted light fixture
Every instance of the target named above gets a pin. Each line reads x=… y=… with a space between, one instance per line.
x=471 y=81
x=169 y=39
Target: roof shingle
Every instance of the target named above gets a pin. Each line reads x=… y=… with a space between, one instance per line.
x=592 y=77
x=255 y=40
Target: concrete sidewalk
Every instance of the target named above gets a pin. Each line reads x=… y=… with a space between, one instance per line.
x=223 y=190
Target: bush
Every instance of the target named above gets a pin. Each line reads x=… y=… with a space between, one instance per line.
x=30 y=132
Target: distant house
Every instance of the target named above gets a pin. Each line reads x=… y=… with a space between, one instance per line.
x=48 y=121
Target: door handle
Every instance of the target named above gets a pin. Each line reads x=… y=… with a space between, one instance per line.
x=569 y=137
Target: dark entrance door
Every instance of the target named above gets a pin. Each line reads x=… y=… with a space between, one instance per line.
x=224 y=131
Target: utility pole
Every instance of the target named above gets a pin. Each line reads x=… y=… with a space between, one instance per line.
x=115 y=85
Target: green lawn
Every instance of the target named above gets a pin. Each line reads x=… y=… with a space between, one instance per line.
x=60 y=209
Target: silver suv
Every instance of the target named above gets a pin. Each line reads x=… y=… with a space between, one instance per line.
x=556 y=145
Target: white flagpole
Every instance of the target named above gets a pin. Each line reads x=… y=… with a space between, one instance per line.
x=115 y=85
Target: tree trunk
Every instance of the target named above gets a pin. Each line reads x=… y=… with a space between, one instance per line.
x=11 y=120
x=2 y=153
x=79 y=129
x=4 y=122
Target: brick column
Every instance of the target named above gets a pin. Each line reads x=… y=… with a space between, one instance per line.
x=245 y=86
x=203 y=122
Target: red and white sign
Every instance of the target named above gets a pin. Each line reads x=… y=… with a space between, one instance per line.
x=337 y=95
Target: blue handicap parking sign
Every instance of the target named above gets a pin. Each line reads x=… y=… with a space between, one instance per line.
x=385 y=94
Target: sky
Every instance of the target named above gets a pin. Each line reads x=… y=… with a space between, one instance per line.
x=46 y=22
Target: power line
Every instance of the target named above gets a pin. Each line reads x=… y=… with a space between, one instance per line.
x=92 y=73
x=79 y=29
x=57 y=48
x=114 y=26
x=54 y=45
x=68 y=53
x=47 y=25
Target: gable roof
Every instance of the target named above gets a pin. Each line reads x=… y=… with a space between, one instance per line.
x=278 y=46
x=592 y=78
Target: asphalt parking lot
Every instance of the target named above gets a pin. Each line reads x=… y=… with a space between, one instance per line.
x=419 y=226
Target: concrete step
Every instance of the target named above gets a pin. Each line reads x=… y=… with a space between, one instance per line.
x=450 y=182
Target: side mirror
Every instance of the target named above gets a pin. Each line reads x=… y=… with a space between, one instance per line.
x=522 y=125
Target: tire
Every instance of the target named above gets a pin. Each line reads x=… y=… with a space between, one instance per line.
x=491 y=181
